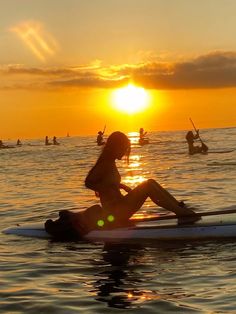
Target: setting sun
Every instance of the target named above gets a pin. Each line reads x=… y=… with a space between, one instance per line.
x=130 y=99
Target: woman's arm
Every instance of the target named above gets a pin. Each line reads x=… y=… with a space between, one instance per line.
x=124 y=187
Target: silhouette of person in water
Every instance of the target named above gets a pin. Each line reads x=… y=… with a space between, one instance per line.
x=47 y=141
x=100 y=140
x=55 y=142
x=142 y=134
x=192 y=149
x=142 y=139
x=18 y=143
x=2 y=145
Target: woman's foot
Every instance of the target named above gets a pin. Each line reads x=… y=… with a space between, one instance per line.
x=188 y=215
x=186 y=220
x=182 y=204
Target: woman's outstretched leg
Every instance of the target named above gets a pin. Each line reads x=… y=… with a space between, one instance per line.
x=150 y=188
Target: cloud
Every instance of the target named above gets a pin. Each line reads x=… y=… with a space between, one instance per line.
x=214 y=70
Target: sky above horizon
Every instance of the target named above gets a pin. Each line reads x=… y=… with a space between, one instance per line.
x=60 y=61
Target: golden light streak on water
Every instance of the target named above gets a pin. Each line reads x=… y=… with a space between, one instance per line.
x=134 y=180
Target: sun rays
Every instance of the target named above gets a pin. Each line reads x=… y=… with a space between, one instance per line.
x=33 y=34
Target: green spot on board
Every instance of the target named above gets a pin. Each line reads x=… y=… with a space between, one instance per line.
x=100 y=223
x=110 y=218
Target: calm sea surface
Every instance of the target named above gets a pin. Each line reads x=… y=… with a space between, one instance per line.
x=41 y=276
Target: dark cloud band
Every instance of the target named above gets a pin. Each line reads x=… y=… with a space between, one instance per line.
x=210 y=71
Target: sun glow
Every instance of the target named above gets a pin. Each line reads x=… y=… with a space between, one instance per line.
x=130 y=99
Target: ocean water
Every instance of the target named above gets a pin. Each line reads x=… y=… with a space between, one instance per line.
x=42 y=276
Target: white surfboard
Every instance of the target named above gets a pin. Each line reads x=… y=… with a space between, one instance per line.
x=206 y=228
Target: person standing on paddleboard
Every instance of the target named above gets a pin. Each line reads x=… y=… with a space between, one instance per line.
x=105 y=180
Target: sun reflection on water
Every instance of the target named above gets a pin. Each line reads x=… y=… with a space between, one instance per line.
x=133 y=137
x=141 y=296
x=134 y=174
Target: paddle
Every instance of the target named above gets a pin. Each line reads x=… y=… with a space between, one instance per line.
x=168 y=217
x=204 y=146
x=104 y=129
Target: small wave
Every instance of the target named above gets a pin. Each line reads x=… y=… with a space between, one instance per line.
x=218 y=164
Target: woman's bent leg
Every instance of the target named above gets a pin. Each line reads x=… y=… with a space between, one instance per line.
x=150 y=188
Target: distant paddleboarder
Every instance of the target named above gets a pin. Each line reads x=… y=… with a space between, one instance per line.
x=100 y=139
x=142 y=133
x=142 y=139
x=190 y=138
x=55 y=142
x=2 y=145
x=47 y=141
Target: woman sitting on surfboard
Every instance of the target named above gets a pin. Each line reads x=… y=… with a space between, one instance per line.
x=105 y=180
x=116 y=208
x=190 y=137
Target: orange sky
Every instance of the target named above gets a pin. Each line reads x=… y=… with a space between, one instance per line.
x=81 y=113
x=61 y=61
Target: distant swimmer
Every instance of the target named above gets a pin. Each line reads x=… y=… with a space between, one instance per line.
x=47 y=141
x=4 y=146
x=192 y=149
x=55 y=142
x=18 y=143
x=142 y=139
